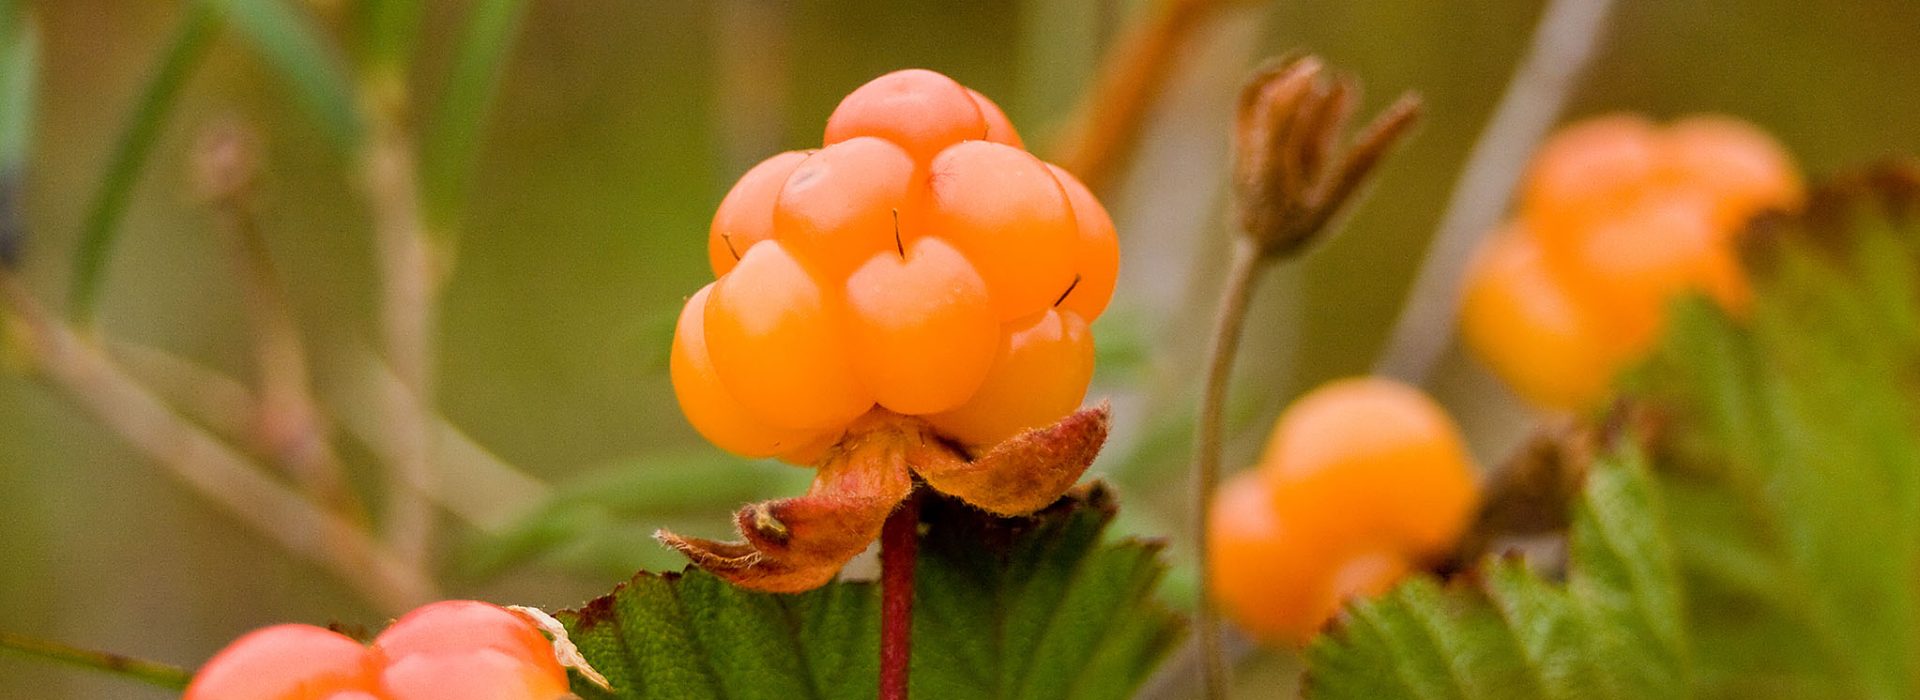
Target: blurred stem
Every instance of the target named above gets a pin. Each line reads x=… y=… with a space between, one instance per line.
x=206 y=464
x=1135 y=71
x=409 y=286
x=1243 y=273
x=1563 y=45
x=491 y=494
x=149 y=672
x=899 y=545
x=288 y=419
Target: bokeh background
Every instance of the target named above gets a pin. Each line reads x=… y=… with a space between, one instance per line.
x=617 y=127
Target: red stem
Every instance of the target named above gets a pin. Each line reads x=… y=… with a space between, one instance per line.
x=899 y=539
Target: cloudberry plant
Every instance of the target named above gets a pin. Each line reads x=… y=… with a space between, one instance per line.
x=1364 y=481
x=451 y=650
x=911 y=298
x=1617 y=217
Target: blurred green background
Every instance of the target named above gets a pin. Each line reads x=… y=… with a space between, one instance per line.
x=617 y=127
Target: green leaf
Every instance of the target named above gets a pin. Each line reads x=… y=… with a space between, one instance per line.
x=184 y=52
x=1762 y=540
x=19 y=69
x=138 y=670
x=290 y=42
x=1036 y=607
x=452 y=136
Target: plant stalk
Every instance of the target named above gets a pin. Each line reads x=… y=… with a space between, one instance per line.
x=149 y=672
x=899 y=545
x=1242 y=275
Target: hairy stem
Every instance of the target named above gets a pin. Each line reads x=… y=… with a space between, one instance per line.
x=149 y=672
x=1242 y=274
x=899 y=545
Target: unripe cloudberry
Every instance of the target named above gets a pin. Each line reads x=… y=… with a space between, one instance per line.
x=920 y=262
x=1617 y=218
x=451 y=650
x=1364 y=481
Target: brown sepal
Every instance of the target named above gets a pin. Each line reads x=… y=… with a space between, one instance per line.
x=798 y=544
x=1021 y=475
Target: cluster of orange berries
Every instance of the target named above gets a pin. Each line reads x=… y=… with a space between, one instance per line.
x=921 y=261
x=451 y=650
x=1365 y=481
x=1617 y=217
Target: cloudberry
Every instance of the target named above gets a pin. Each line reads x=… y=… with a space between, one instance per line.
x=745 y=215
x=1096 y=253
x=1040 y=372
x=1622 y=217
x=922 y=111
x=452 y=650
x=1364 y=481
x=920 y=263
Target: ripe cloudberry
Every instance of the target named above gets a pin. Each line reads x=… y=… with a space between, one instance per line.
x=1618 y=216
x=909 y=264
x=911 y=299
x=1364 y=481
x=451 y=650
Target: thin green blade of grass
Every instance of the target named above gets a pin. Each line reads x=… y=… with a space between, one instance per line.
x=185 y=51
x=295 y=48
x=452 y=135
x=19 y=68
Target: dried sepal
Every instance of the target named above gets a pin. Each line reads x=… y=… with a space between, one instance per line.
x=1288 y=182
x=798 y=544
x=1023 y=474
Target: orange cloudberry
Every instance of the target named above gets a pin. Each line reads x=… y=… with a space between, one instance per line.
x=920 y=280
x=451 y=650
x=1621 y=216
x=1364 y=481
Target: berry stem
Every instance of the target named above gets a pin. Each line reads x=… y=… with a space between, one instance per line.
x=899 y=542
x=1242 y=276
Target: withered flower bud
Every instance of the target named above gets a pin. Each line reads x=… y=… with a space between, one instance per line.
x=1288 y=181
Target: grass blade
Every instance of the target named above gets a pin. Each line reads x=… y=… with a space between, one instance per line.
x=291 y=44
x=185 y=51
x=452 y=135
x=148 y=672
x=19 y=66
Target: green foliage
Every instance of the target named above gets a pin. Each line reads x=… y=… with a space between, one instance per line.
x=451 y=139
x=184 y=53
x=1755 y=539
x=1037 y=607
x=292 y=44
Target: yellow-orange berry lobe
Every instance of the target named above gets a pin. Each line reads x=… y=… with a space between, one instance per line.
x=1622 y=216
x=778 y=343
x=1003 y=208
x=452 y=650
x=1365 y=480
x=922 y=111
x=1040 y=373
x=745 y=215
x=920 y=263
x=924 y=333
